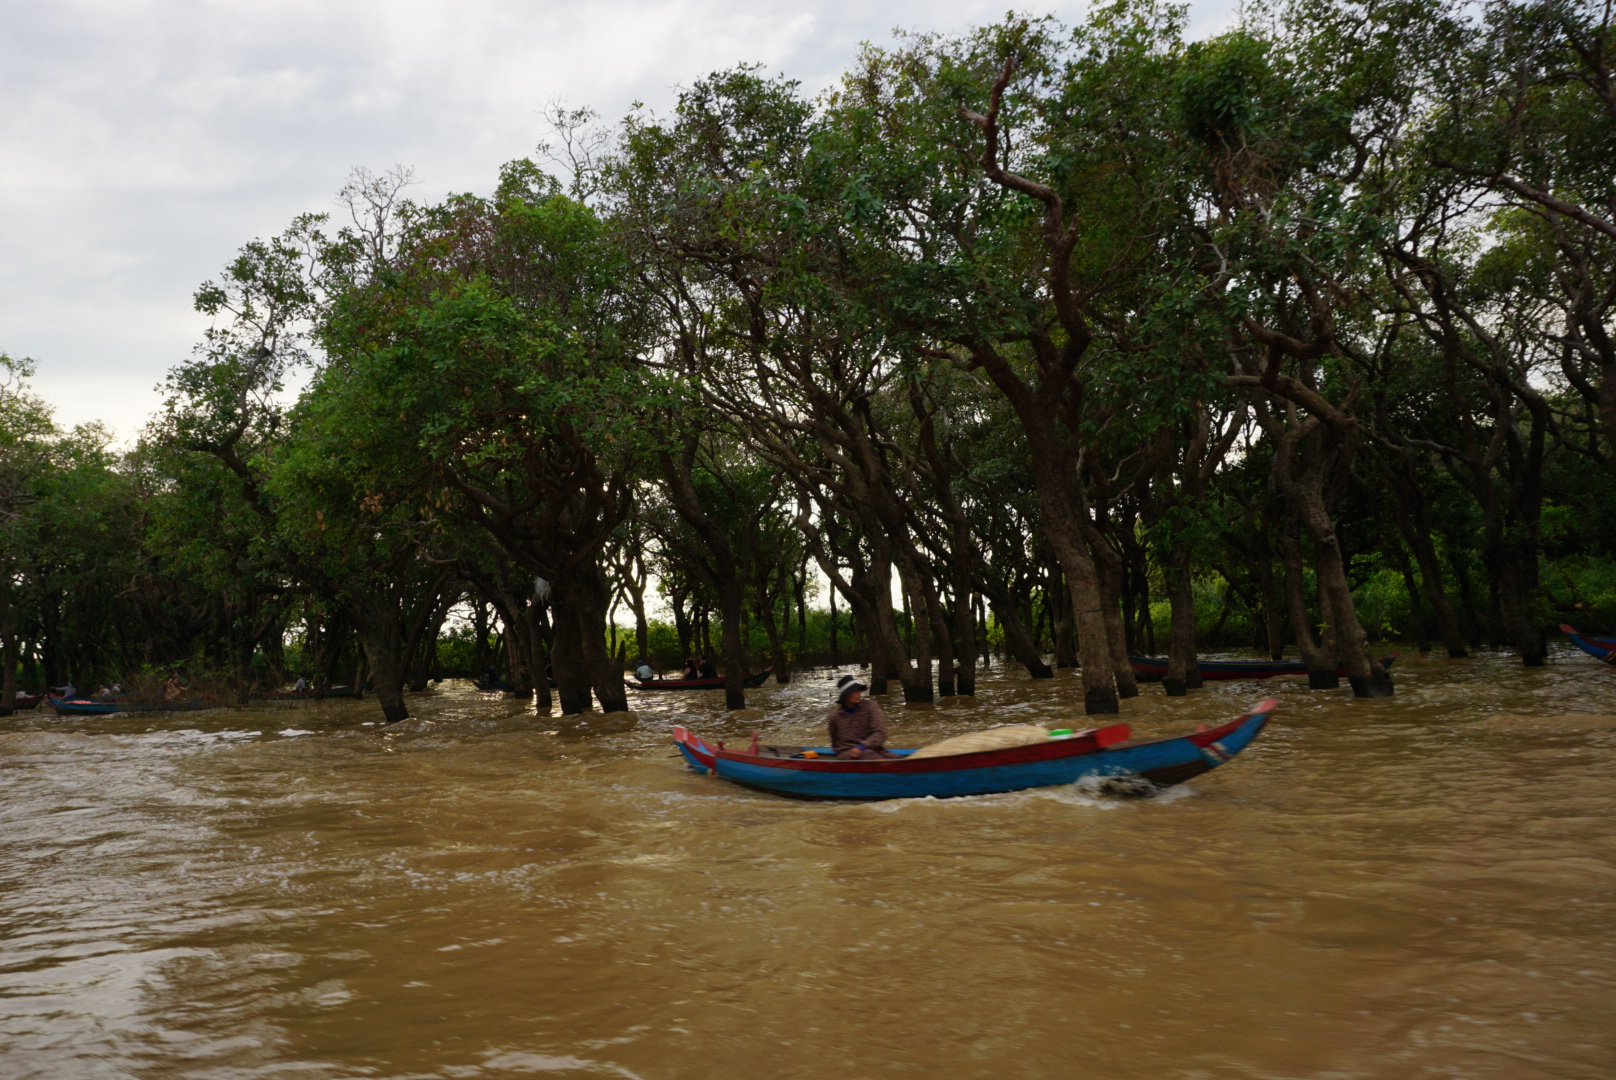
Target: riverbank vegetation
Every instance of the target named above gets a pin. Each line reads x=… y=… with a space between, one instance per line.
x=1065 y=342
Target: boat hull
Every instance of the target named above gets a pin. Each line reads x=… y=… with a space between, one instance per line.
x=86 y=707
x=78 y=707
x=1599 y=648
x=756 y=679
x=1160 y=762
x=1154 y=668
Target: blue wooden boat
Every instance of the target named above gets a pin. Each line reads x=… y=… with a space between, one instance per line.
x=1104 y=752
x=93 y=707
x=86 y=707
x=1154 y=668
x=1601 y=648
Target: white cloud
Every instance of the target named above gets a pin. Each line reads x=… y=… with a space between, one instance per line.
x=144 y=142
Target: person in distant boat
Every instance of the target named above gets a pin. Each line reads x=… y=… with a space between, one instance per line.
x=172 y=688
x=692 y=668
x=707 y=669
x=858 y=728
x=300 y=686
x=642 y=671
x=104 y=693
x=68 y=692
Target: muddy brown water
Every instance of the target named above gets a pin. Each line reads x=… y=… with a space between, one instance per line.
x=1416 y=887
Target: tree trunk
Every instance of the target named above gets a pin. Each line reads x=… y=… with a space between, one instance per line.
x=965 y=641
x=1065 y=626
x=535 y=651
x=773 y=631
x=731 y=602
x=587 y=597
x=1017 y=639
x=1416 y=617
x=379 y=634
x=1183 y=671
x=1321 y=665
x=835 y=641
x=1413 y=520
x=1083 y=584
x=1436 y=597
x=1364 y=672
x=8 y=660
x=1110 y=571
x=567 y=654
x=1517 y=597
x=1273 y=619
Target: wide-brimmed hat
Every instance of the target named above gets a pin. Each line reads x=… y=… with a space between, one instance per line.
x=846 y=685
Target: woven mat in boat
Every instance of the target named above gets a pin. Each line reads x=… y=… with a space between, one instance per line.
x=999 y=738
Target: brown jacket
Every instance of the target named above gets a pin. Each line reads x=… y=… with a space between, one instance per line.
x=863 y=723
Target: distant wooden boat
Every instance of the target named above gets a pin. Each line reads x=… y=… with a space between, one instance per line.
x=91 y=707
x=1600 y=648
x=497 y=684
x=85 y=706
x=1154 y=668
x=1103 y=752
x=303 y=695
x=698 y=684
x=23 y=702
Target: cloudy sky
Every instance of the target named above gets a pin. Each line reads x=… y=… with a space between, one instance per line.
x=142 y=142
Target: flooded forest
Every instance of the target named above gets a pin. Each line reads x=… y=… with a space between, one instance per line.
x=1016 y=354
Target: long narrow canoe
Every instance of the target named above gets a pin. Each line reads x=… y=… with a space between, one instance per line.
x=85 y=707
x=697 y=684
x=1104 y=752
x=303 y=695
x=23 y=702
x=89 y=707
x=1154 y=668
x=1601 y=648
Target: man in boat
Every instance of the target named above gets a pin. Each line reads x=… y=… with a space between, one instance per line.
x=858 y=728
x=300 y=686
x=707 y=669
x=172 y=689
x=642 y=670
x=692 y=668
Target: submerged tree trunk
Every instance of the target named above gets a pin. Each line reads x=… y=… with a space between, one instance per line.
x=1018 y=640
x=587 y=598
x=965 y=640
x=1364 y=672
x=381 y=637
x=1321 y=665
x=772 y=629
x=567 y=658
x=1183 y=670
x=8 y=658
